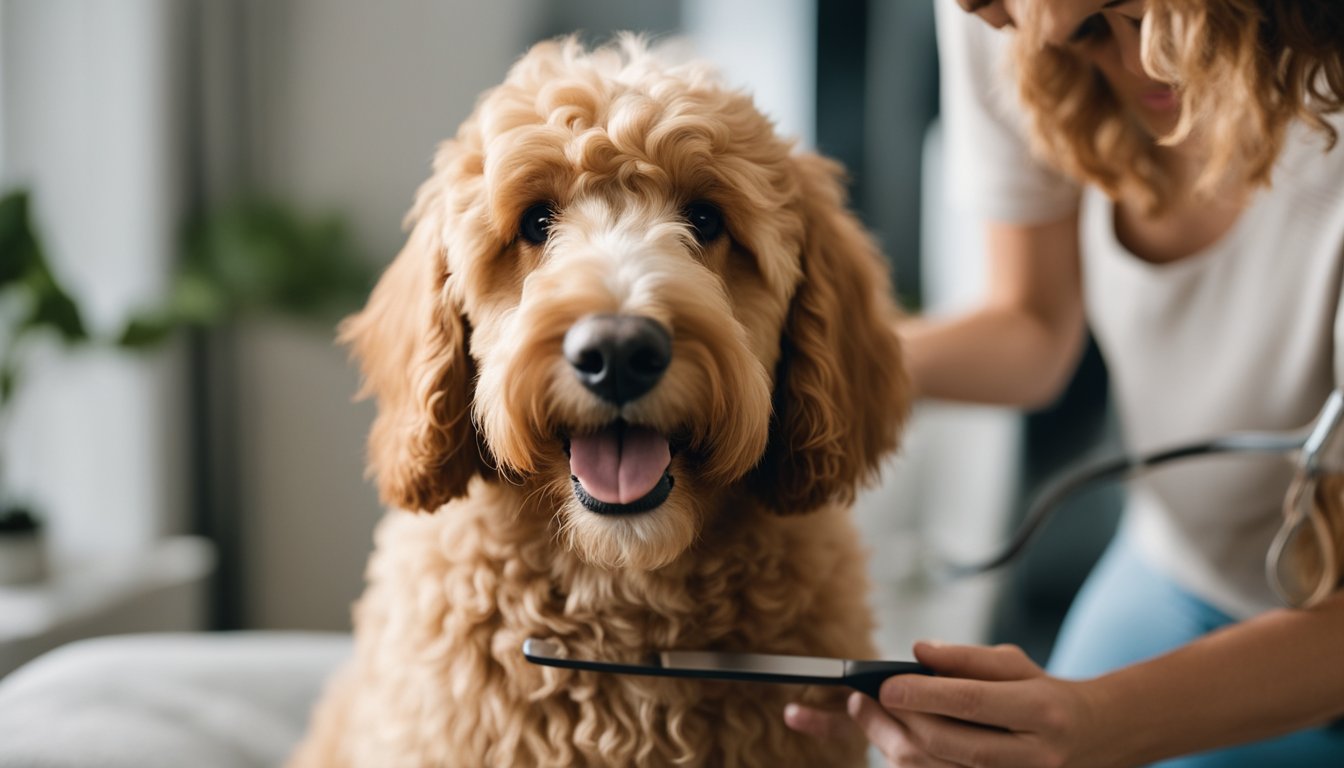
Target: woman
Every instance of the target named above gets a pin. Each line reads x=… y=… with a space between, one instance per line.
x=1214 y=295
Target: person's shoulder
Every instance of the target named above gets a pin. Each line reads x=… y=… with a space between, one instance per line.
x=976 y=61
x=1313 y=159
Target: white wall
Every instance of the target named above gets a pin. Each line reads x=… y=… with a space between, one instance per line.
x=948 y=493
x=89 y=125
x=346 y=101
x=768 y=47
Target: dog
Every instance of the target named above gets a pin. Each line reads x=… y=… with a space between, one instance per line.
x=631 y=366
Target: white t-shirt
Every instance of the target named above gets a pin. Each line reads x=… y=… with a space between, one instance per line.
x=1245 y=335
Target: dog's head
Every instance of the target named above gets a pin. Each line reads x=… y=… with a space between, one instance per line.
x=624 y=293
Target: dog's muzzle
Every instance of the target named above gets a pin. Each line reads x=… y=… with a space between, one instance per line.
x=621 y=468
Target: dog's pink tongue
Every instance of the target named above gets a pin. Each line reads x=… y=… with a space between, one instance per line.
x=620 y=464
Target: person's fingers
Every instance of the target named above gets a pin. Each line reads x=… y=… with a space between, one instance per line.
x=959 y=743
x=1001 y=662
x=1014 y=705
x=821 y=723
x=889 y=736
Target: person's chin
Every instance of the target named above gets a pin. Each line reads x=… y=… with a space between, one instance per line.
x=1158 y=116
x=1158 y=124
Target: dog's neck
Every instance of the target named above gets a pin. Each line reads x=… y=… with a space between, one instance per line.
x=744 y=565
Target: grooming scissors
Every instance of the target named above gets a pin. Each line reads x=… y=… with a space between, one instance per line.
x=1316 y=450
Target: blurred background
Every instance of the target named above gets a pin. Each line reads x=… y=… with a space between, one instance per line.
x=195 y=190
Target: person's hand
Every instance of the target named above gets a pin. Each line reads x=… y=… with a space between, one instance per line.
x=988 y=707
x=995 y=12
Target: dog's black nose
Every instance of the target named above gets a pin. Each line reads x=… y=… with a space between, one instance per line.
x=618 y=357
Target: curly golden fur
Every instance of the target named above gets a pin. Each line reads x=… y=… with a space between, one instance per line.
x=785 y=388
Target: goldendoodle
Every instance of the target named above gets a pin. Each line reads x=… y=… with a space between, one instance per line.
x=631 y=366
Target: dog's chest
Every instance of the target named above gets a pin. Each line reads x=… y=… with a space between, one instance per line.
x=462 y=594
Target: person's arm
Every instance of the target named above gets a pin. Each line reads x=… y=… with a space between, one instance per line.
x=1021 y=344
x=1274 y=674
x=1267 y=676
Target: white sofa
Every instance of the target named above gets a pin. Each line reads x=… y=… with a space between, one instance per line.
x=204 y=700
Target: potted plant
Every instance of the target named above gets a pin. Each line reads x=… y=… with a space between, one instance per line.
x=23 y=554
x=32 y=303
x=248 y=256
x=256 y=255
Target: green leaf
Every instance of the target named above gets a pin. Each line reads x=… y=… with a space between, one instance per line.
x=147 y=331
x=22 y=265
x=197 y=299
x=265 y=256
x=254 y=255
x=19 y=250
x=54 y=309
x=9 y=381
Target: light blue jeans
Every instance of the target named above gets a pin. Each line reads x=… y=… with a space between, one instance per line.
x=1127 y=612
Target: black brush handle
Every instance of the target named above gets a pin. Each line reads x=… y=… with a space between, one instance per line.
x=864 y=676
x=867 y=677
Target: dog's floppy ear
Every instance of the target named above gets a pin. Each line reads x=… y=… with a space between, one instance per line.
x=841 y=391
x=411 y=344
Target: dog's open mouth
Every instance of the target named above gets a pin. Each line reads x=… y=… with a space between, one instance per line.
x=620 y=469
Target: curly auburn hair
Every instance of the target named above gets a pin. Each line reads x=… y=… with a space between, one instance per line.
x=1245 y=70
x=1329 y=500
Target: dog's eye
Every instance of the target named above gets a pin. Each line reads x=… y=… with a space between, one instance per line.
x=706 y=219
x=535 y=226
